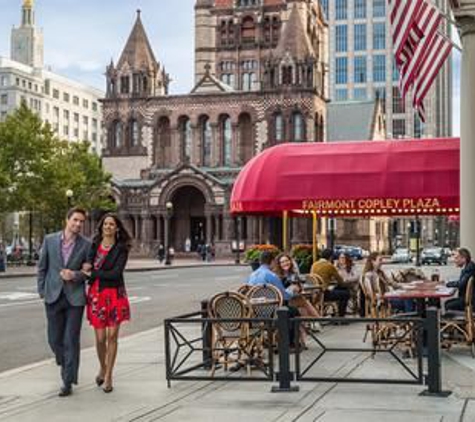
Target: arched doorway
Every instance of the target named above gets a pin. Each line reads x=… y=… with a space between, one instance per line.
x=188 y=219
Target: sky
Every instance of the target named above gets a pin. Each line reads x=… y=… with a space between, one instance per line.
x=81 y=37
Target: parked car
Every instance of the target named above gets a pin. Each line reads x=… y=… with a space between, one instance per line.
x=355 y=252
x=433 y=256
x=401 y=256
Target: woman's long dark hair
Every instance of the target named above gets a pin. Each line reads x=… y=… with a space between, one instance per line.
x=123 y=237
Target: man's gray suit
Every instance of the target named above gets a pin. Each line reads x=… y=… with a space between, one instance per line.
x=64 y=301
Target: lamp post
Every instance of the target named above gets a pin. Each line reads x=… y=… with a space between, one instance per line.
x=237 y=236
x=69 y=196
x=169 y=213
x=30 y=261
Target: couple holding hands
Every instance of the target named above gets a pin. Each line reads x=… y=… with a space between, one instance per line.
x=69 y=261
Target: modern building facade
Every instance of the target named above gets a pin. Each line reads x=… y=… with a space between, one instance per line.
x=362 y=67
x=260 y=79
x=72 y=108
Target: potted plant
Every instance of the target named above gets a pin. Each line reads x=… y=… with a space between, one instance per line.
x=253 y=253
x=303 y=255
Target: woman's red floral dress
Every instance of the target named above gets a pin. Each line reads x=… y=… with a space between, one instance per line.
x=109 y=307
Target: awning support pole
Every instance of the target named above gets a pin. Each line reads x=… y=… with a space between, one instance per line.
x=285 y=243
x=314 y=235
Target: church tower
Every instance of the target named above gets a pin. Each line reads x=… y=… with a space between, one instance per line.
x=27 y=40
x=138 y=73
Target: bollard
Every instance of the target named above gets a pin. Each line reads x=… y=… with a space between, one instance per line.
x=284 y=375
x=207 y=336
x=434 y=373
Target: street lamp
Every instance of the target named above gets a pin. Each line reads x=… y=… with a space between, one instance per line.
x=69 y=195
x=30 y=261
x=169 y=213
x=237 y=236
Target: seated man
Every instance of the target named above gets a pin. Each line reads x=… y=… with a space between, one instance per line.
x=330 y=276
x=264 y=275
x=463 y=260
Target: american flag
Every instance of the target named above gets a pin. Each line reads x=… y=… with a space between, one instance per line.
x=419 y=50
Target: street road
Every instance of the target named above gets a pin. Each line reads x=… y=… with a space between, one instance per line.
x=154 y=296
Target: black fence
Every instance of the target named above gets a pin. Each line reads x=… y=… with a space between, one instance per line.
x=194 y=350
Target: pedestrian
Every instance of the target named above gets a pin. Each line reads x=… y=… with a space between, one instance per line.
x=61 y=285
x=161 y=253
x=3 y=259
x=107 y=302
x=171 y=253
x=187 y=245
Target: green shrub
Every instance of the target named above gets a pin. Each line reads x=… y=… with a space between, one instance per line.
x=253 y=253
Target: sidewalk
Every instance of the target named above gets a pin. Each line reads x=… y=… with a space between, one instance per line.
x=141 y=394
x=133 y=265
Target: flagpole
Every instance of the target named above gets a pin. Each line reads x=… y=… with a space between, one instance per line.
x=457 y=47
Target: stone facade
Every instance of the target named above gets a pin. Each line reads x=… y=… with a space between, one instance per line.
x=260 y=80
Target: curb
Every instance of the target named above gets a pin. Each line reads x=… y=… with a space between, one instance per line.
x=139 y=270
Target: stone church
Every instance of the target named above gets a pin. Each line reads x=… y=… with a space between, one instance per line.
x=260 y=79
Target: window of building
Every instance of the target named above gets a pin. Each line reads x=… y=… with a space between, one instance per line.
x=360 y=37
x=56 y=94
x=117 y=134
x=399 y=128
x=3 y=80
x=56 y=113
x=30 y=86
x=298 y=128
x=94 y=137
x=85 y=120
x=398 y=103
x=360 y=94
x=341 y=38
x=248 y=3
x=341 y=94
x=418 y=126
x=360 y=9
x=85 y=103
x=341 y=70
x=66 y=114
x=66 y=130
x=186 y=137
x=94 y=106
x=395 y=71
x=379 y=36
x=206 y=140
x=76 y=133
x=341 y=9
x=85 y=135
x=360 y=70
x=227 y=133
x=94 y=123
x=379 y=68
x=324 y=4
x=379 y=8
x=76 y=100
x=134 y=133
x=124 y=85
x=278 y=128
x=248 y=30
x=76 y=117
x=65 y=97
x=4 y=99
x=17 y=81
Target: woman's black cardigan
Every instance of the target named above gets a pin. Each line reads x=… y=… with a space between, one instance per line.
x=111 y=272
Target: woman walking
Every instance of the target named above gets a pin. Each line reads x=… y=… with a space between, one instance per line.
x=107 y=302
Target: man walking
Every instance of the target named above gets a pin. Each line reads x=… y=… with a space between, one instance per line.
x=61 y=285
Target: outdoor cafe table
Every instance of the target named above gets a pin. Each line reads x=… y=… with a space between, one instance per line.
x=421 y=291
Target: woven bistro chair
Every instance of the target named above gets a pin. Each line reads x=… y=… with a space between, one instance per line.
x=244 y=289
x=265 y=300
x=323 y=307
x=457 y=327
x=230 y=339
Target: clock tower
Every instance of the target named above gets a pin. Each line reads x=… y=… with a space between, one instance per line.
x=27 y=40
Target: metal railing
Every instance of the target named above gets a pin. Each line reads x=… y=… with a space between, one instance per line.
x=190 y=353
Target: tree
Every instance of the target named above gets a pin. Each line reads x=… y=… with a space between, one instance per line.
x=37 y=168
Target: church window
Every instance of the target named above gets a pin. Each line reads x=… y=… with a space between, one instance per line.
x=246 y=138
x=134 y=133
x=124 y=85
x=287 y=75
x=186 y=137
x=227 y=138
x=246 y=82
x=117 y=135
x=297 y=127
x=248 y=30
x=278 y=127
x=206 y=140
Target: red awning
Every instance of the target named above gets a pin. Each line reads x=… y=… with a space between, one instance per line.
x=404 y=177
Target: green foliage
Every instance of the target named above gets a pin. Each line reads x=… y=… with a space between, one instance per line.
x=37 y=168
x=253 y=253
x=303 y=255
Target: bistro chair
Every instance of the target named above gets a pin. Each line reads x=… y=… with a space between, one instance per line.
x=244 y=289
x=324 y=308
x=457 y=327
x=230 y=338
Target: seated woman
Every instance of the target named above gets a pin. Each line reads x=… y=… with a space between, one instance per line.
x=287 y=271
x=376 y=279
